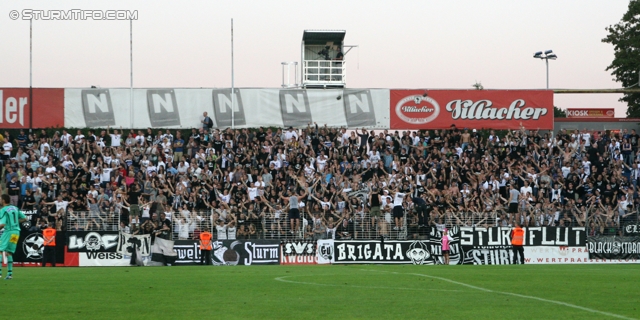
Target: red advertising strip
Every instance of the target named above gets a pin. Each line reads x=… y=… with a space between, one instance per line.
x=71 y=259
x=473 y=109
x=591 y=113
x=15 y=111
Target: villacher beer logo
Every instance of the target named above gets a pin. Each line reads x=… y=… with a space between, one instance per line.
x=485 y=110
x=417 y=109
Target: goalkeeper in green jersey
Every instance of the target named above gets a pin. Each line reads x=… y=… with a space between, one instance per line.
x=10 y=219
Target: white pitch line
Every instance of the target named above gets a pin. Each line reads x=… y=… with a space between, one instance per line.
x=514 y=294
x=282 y=279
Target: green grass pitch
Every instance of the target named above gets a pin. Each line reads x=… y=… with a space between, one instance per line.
x=325 y=292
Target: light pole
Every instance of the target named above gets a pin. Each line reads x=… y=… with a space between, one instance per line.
x=546 y=56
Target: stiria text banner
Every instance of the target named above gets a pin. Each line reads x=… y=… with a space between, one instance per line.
x=473 y=109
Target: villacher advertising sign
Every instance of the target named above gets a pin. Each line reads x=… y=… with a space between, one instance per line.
x=473 y=109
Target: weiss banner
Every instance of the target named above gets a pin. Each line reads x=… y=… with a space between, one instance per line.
x=183 y=108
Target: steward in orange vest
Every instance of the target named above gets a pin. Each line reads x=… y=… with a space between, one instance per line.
x=517 y=240
x=49 y=255
x=205 y=247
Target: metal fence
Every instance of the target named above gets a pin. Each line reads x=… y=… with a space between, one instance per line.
x=93 y=220
x=188 y=225
x=415 y=224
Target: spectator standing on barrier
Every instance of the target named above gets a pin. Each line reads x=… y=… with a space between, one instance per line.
x=517 y=239
x=205 y=247
x=49 y=254
x=446 y=241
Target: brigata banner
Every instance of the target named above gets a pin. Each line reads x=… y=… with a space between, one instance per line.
x=473 y=109
x=615 y=248
x=230 y=252
x=47 y=110
x=590 y=113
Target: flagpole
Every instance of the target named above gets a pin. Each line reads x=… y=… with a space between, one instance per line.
x=233 y=119
x=131 y=75
x=30 y=75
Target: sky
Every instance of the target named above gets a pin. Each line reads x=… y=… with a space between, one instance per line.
x=402 y=44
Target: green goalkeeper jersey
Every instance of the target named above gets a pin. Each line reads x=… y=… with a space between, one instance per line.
x=10 y=216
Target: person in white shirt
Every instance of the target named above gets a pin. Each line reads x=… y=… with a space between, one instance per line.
x=7 y=147
x=398 y=209
x=291 y=134
x=115 y=138
x=221 y=230
x=526 y=189
x=79 y=137
x=66 y=138
x=252 y=192
x=60 y=204
x=321 y=161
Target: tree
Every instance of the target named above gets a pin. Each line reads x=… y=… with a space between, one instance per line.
x=559 y=113
x=625 y=67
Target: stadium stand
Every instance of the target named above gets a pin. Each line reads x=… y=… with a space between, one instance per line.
x=356 y=184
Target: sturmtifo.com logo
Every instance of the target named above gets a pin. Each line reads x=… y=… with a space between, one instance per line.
x=73 y=14
x=417 y=109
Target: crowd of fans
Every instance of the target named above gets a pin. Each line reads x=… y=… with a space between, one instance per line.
x=321 y=182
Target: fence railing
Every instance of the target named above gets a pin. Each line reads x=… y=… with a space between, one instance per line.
x=415 y=224
x=92 y=221
x=324 y=71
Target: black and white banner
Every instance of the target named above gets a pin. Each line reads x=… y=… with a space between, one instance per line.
x=30 y=248
x=632 y=229
x=299 y=252
x=92 y=241
x=419 y=252
x=614 y=248
x=230 y=252
x=127 y=243
x=534 y=236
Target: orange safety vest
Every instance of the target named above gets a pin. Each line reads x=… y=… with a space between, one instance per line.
x=205 y=241
x=517 y=237
x=49 y=235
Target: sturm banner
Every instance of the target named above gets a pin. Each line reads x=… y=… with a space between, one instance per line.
x=626 y=248
x=230 y=252
x=183 y=108
x=473 y=109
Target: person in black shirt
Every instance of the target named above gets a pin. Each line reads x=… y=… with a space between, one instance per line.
x=13 y=189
